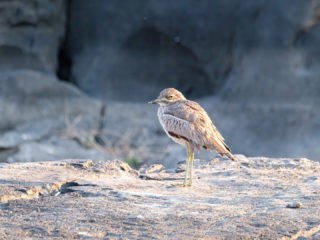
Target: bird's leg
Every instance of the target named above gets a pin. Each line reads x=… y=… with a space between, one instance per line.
x=187 y=165
x=191 y=167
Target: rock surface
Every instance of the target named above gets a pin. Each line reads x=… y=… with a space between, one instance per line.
x=31 y=34
x=229 y=200
x=198 y=47
x=261 y=62
x=43 y=119
x=27 y=96
x=64 y=123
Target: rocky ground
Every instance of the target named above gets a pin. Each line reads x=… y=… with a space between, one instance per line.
x=253 y=198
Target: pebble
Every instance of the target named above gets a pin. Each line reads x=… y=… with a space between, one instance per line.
x=294 y=205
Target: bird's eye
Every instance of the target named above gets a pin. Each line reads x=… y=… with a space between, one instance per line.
x=170 y=97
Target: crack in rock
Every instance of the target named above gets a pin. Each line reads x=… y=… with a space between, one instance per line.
x=303 y=233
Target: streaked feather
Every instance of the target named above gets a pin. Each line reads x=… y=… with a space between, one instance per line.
x=185 y=120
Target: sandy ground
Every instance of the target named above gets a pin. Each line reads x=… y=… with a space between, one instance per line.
x=248 y=199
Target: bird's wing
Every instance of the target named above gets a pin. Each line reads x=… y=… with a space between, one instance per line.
x=203 y=119
x=193 y=113
x=178 y=127
x=190 y=120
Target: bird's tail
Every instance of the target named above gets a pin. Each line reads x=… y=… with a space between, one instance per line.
x=223 y=149
x=228 y=152
x=229 y=155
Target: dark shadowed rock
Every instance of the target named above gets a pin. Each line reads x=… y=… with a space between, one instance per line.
x=247 y=199
x=147 y=46
x=31 y=32
x=262 y=60
x=130 y=50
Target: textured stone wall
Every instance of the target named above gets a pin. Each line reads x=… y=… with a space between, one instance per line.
x=129 y=50
x=30 y=33
x=259 y=60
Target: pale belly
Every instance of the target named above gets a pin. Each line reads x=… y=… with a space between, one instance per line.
x=177 y=140
x=162 y=122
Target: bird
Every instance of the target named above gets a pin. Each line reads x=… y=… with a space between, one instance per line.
x=187 y=123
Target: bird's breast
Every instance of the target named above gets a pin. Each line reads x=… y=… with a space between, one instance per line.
x=161 y=118
x=169 y=124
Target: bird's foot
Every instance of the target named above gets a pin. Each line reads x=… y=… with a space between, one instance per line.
x=180 y=185
x=183 y=185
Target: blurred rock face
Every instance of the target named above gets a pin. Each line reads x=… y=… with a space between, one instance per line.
x=31 y=32
x=259 y=59
x=129 y=50
x=134 y=49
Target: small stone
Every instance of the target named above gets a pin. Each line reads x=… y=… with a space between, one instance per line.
x=87 y=164
x=180 y=168
x=155 y=168
x=294 y=205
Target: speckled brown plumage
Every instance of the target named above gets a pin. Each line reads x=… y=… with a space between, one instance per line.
x=188 y=120
x=187 y=123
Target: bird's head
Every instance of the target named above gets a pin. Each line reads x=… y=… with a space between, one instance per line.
x=168 y=96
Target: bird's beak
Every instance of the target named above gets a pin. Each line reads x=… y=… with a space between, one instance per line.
x=155 y=101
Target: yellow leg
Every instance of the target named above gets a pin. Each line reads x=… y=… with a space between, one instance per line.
x=191 y=167
x=187 y=165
